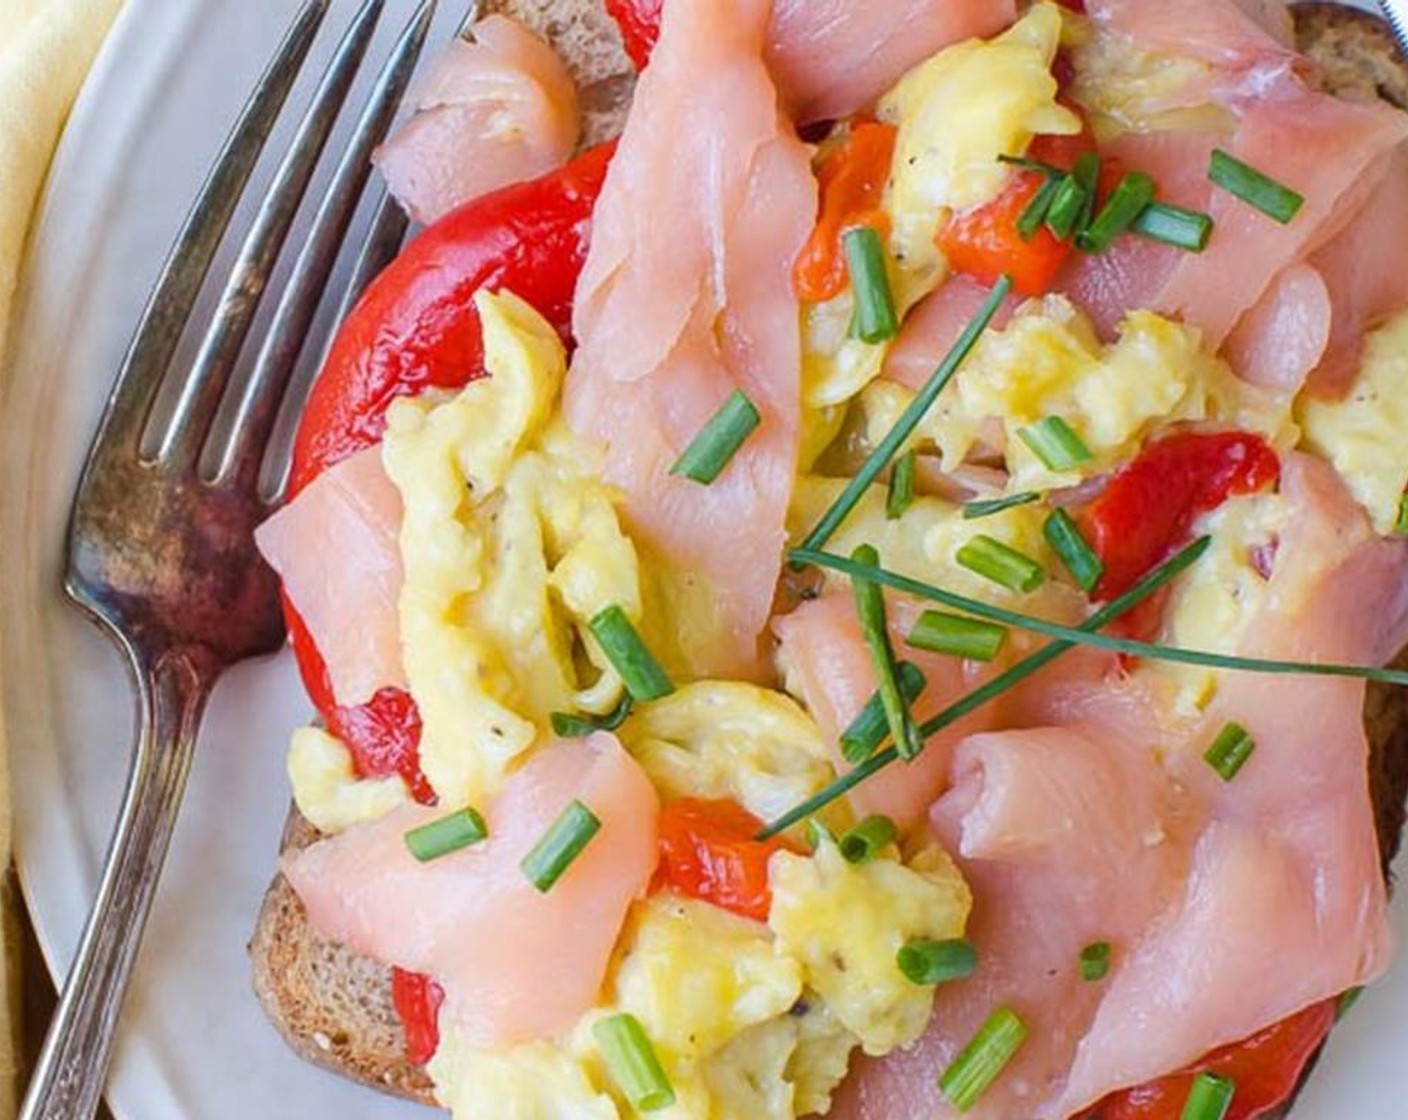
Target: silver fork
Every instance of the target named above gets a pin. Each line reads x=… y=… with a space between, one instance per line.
x=1396 y=12
x=160 y=550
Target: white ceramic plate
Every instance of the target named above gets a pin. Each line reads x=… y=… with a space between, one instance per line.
x=194 y=1045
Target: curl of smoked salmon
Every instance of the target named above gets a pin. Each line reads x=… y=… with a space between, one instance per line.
x=416 y=328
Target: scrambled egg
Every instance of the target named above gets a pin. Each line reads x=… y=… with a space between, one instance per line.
x=510 y=544
x=716 y=739
x=1213 y=601
x=1362 y=435
x=845 y=923
x=956 y=114
x=1049 y=362
x=326 y=788
x=923 y=544
x=535 y=1081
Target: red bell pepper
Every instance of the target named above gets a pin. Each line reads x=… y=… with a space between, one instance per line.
x=1149 y=505
x=417 y=999
x=852 y=179
x=416 y=327
x=707 y=851
x=1266 y=1069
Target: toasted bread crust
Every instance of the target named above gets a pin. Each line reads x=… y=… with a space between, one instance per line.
x=334 y=1007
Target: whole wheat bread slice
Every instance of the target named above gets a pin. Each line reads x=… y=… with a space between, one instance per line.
x=333 y=1006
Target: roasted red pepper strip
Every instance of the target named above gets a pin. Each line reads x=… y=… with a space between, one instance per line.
x=1266 y=1067
x=639 y=21
x=852 y=179
x=707 y=851
x=1149 y=506
x=416 y=327
x=417 y=999
x=984 y=243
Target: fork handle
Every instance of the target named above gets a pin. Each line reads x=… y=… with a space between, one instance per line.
x=68 y=1078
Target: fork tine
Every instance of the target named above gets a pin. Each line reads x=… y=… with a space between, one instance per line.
x=180 y=444
x=154 y=341
x=263 y=392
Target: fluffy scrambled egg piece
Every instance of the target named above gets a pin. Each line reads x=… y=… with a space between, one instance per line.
x=960 y=111
x=697 y=976
x=326 y=787
x=510 y=543
x=1049 y=362
x=956 y=114
x=923 y=544
x=725 y=1009
x=1362 y=434
x=1213 y=601
x=534 y=1081
x=845 y=922
x=716 y=739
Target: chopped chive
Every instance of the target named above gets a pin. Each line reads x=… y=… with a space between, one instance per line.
x=1066 y=541
x=901 y=493
x=983 y=1059
x=1347 y=1001
x=1054 y=442
x=1095 y=962
x=880 y=458
x=633 y=1063
x=1252 y=187
x=1173 y=225
x=719 y=440
x=629 y=655
x=1134 y=193
x=1034 y=215
x=875 y=318
x=1230 y=750
x=1400 y=525
x=448 y=834
x=561 y=844
x=1081 y=635
x=1209 y=1098
x=989 y=506
x=1066 y=207
x=570 y=725
x=868 y=839
x=1161 y=577
x=990 y=558
x=928 y=962
x=867 y=731
x=1087 y=170
x=870 y=604
x=957 y=635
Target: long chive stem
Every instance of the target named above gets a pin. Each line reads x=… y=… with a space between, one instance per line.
x=886 y=450
x=1122 y=605
x=986 y=507
x=870 y=603
x=1080 y=636
x=867 y=730
x=571 y=725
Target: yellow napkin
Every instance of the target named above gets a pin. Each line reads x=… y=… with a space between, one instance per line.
x=46 y=48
